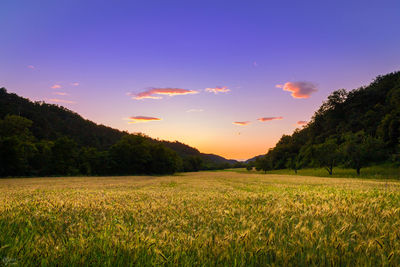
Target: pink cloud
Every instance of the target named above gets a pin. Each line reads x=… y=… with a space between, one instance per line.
x=31 y=67
x=156 y=93
x=299 y=89
x=56 y=86
x=301 y=122
x=75 y=84
x=270 y=119
x=241 y=123
x=138 y=119
x=59 y=93
x=218 y=89
x=56 y=100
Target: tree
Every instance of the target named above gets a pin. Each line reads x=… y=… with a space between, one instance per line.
x=361 y=149
x=263 y=163
x=327 y=154
x=294 y=162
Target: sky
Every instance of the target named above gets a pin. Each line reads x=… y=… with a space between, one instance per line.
x=226 y=77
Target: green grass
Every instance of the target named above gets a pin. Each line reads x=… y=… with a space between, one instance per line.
x=205 y=218
x=373 y=172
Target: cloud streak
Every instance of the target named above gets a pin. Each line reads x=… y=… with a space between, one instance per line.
x=56 y=86
x=139 y=119
x=157 y=93
x=56 y=100
x=31 y=67
x=75 y=84
x=195 y=110
x=300 y=123
x=299 y=89
x=270 y=119
x=241 y=123
x=218 y=89
x=60 y=93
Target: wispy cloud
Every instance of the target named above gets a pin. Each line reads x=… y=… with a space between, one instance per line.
x=56 y=100
x=157 y=93
x=255 y=64
x=195 y=110
x=138 y=119
x=241 y=123
x=301 y=122
x=299 y=89
x=31 y=67
x=60 y=93
x=270 y=119
x=56 y=86
x=75 y=84
x=217 y=90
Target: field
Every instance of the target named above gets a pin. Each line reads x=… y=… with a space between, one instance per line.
x=383 y=171
x=205 y=218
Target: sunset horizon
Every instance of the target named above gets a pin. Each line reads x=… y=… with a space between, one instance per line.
x=228 y=79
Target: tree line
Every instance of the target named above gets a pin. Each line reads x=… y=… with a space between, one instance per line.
x=40 y=139
x=351 y=129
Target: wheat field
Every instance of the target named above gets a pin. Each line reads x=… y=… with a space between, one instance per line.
x=199 y=219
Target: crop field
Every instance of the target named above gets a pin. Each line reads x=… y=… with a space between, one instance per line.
x=205 y=218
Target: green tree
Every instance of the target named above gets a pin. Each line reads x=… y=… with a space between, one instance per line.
x=361 y=149
x=327 y=155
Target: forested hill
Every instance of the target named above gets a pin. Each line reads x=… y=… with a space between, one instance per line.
x=351 y=128
x=48 y=125
x=52 y=121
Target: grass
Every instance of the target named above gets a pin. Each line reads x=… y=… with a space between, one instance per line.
x=385 y=171
x=205 y=218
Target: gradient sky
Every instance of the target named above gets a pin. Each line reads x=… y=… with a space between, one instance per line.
x=267 y=64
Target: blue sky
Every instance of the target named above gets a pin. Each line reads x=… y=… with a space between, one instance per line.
x=99 y=51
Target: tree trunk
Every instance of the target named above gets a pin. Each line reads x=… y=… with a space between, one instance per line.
x=358 y=170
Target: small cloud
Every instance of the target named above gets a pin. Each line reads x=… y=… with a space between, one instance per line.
x=75 y=84
x=59 y=93
x=195 y=110
x=242 y=123
x=56 y=100
x=301 y=123
x=31 y=67
x=270 y=119
x=255 y=64
x=156 y=93
x=138 y=119
x=217 y=90
x=56 y=86
x=299 y=89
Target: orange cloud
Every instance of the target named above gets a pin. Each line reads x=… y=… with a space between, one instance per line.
x=59 y=93
x=218 y=89
x=154 y=93
x=75 y=84
x=270 y=119
x=299 y=89
x=138 y=119
x=56 y=86
x=301 y=122
x=56 y=100
x=241 y=123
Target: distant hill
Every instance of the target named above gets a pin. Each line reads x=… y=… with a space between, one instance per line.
x=253 y=159
x=52 y=122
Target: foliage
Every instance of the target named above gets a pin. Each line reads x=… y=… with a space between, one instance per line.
x=39 y=139
x=326 y=140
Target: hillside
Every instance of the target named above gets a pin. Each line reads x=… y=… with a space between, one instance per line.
x=49 y=123
x=351 y=128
